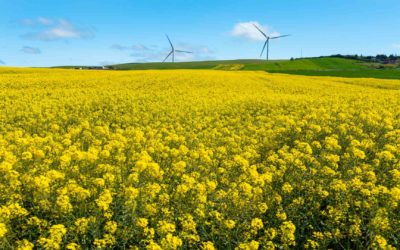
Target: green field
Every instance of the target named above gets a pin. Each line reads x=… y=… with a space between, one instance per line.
x=327 y=66
x=317 y=64
x=323 y=66
x=185 y=65
x=363 y=73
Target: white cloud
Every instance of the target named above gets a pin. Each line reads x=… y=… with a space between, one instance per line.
x=248 y=31
x=51 y=30
x=31 y=50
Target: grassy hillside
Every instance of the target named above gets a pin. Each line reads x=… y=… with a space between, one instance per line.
x=324 y=66
x=361 y=73
x=184 y=65
x=309 y=66
x=274 y=65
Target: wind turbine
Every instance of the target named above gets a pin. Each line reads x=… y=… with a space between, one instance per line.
x=267 y=40
x=173 y=50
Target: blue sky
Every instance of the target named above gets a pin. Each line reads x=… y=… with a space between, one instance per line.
x=94 y=32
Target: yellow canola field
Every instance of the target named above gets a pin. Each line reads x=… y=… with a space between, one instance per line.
x=197 y=160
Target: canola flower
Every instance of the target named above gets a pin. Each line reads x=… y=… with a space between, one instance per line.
x=197 y=160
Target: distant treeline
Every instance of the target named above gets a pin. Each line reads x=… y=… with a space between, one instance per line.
x=384 y=59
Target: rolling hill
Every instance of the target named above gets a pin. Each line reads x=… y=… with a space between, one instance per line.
x=321 y=66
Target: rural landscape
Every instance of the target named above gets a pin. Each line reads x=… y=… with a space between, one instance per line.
x=177 y=147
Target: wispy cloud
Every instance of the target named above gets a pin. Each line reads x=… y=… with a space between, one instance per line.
x=196 y=49
x=148 y=56
x=107 y=63
x=55 y=29
x=2 y=62
x=139 y=47
x=199 y=52
x=119 y=47
x=31 y=50
x=36 y=21
x=44 y=21
x=27 y=22
x=248 y=31
x=152 y=53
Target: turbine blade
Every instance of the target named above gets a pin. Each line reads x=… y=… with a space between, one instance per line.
x=183 y=51
x=170 y=43
x=262 y=32
x=262 y=51
x=168 y=56
x=275 y=37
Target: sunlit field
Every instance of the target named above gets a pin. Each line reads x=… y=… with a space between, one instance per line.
x=197 y=160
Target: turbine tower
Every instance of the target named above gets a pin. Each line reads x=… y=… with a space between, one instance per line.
x=173 y=50
x=267 y=38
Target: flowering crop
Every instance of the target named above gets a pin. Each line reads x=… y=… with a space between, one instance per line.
x=197 y=160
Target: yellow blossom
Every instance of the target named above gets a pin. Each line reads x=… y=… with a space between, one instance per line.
x=104 y=200
x=3 y=230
